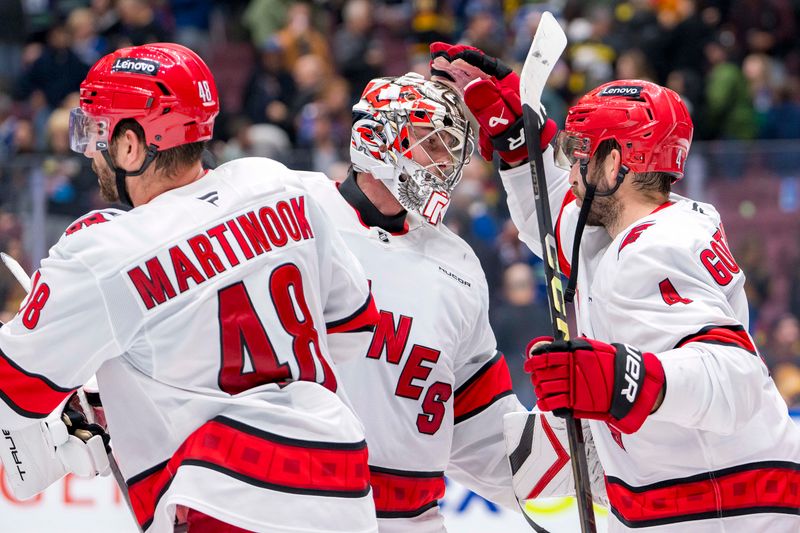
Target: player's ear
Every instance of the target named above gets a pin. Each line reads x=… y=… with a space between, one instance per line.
x=611 y=167
x=130 y=150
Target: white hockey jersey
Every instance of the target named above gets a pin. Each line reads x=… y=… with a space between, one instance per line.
x=431 y=388
x=721 y=453
x=212 y=316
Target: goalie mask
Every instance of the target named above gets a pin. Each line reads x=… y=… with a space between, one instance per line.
x=413 y=135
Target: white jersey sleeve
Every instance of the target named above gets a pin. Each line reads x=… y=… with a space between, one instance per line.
x=483 y=395
x=689 y=315
x=58 y=339
x=349 y=309
x=521 y=203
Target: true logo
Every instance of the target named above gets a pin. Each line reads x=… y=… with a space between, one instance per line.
x=622 y=90
x=135 y=65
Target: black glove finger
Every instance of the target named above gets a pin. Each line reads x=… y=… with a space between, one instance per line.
x=488 y=64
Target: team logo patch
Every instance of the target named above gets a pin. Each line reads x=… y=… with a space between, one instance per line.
x=134 y=65
x=622 y=90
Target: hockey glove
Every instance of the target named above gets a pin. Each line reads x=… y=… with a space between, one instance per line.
x=614 y=383
x=80 y=446
x=491 y=92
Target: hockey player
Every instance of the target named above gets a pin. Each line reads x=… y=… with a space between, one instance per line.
x=211 y=312
x=431 y=388
x=688 y=426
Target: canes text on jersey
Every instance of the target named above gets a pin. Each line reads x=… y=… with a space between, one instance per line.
x=239 y=239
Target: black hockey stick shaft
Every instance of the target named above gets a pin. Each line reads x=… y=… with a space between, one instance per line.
x=558 y=314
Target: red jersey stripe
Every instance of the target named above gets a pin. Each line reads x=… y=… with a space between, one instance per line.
x=726 y=335
x=764 y=487
x=490 y=383
x=257 y=458
x=365 y=318
x=30 y=395
x=404 y=494
x=563 y=263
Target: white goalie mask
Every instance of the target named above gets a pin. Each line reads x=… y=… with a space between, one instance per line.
x=412 y=134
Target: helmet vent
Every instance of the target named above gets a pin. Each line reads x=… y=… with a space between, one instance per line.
x=163 y=88
x=648 y=134
x=166 y=110
x=649 y=113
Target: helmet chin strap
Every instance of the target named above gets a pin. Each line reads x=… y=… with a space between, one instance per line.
x=583 y=216
x=121 y=174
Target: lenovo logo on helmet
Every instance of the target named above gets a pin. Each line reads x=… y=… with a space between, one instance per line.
x=134 y=65
x=622 y=90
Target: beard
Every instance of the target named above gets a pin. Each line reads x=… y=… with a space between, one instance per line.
x=605 y=209
x=107 y=181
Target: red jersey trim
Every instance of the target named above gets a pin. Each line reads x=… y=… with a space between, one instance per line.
x=724 y=335
x=260 y=459
x=28 y=394
x=762 y=487
x=490 y=383
x=403 y=493
x=662 y=206
x=365 y=318
x=563 y=264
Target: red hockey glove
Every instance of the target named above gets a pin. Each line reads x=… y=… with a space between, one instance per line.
x=615 y=383
x=492 y=96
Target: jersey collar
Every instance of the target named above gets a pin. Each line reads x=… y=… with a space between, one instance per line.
x=367 y=212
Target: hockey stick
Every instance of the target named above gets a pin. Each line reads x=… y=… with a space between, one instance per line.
x=24 y=279
x=548 y=44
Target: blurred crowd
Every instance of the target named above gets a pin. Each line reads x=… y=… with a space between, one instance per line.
x=288 y=72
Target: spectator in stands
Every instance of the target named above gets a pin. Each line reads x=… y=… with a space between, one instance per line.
x=751 y=255
x=107 y=18
x=56 y=72
x=264 y=18
x=783 y=343
x=358 y=53
x=86 y=43
x=138 y=24
x=8 y=126
x=270 y=89
x=768 y=26
x=515 y=319
x=299 y=38
x=782 y=354
x=192 y=21
x=633 y=65
x=730 y=113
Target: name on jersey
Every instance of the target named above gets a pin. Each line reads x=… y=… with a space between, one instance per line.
x=235 y=241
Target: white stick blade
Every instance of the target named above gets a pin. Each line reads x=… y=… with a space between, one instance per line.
x=548 y=45
x=17 y=271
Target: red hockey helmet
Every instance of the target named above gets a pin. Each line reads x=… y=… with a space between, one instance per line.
x=650 y=123
x=165 y=87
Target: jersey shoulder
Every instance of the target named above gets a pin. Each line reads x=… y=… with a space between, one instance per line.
x=454 y=255
x=683 y=227
x=685 y=239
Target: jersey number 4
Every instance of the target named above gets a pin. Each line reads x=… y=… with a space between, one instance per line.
x=242 y=334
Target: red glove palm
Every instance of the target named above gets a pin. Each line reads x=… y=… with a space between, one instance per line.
x=614 y=383
x=494 y=101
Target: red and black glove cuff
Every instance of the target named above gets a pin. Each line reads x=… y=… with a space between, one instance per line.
x=638 y=380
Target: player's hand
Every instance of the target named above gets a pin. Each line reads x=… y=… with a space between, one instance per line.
x=80 y=446
x=491 y=92
x=615 y=383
